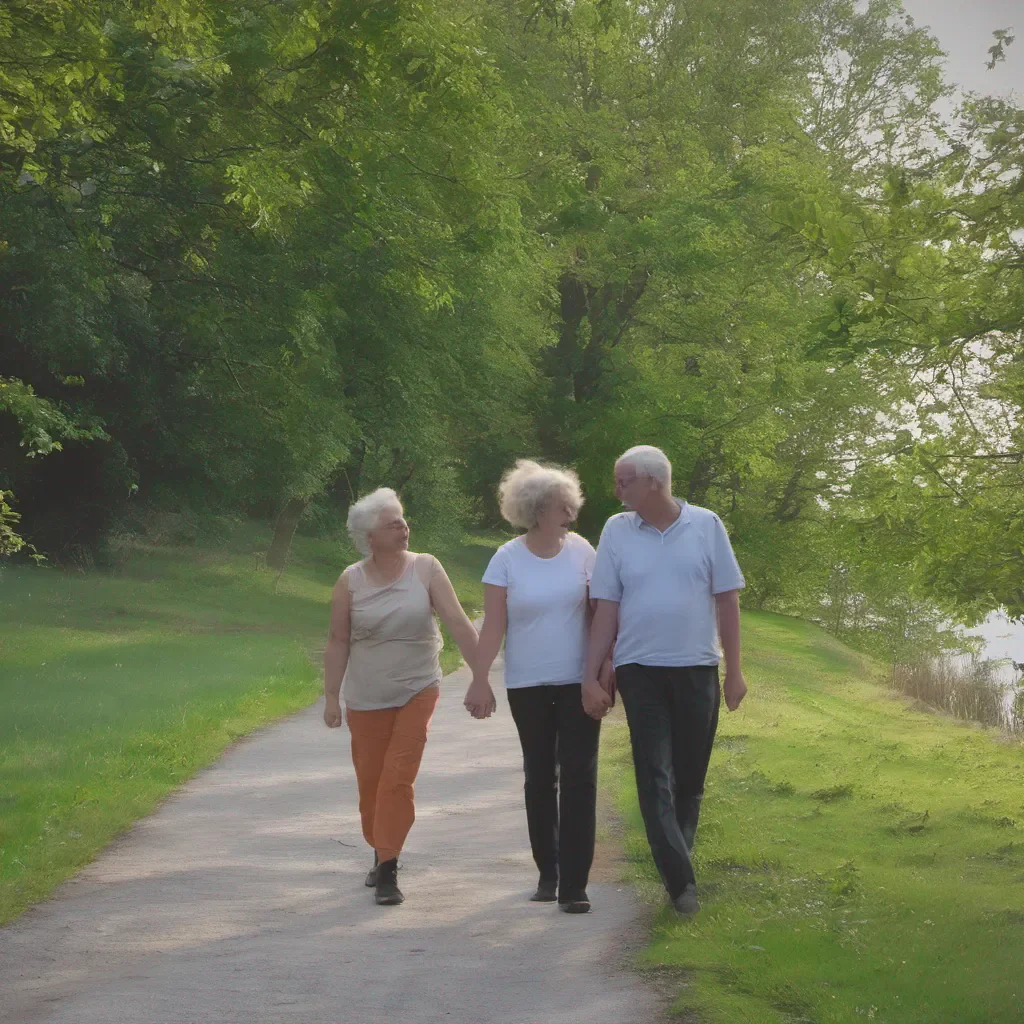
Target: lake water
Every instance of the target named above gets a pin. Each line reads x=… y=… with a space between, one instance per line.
x=1004 y=640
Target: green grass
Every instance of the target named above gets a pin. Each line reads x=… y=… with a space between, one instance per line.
x=118 y=686
x=857 y=859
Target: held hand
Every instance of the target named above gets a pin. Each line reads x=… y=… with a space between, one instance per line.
x=734 y=688
x=596 y=699
x=332 y=713
x=479 y=701
x=606 y=677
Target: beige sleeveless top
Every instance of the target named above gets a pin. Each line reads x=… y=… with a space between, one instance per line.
x=395 y=643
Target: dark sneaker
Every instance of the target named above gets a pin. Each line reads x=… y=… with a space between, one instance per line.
x=576 y=904
x=388 y=893
x=686 y=902
x=371 y=875
x=547 y=892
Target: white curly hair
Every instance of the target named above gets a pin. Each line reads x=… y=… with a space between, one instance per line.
x=527 y=488
x=364 y=516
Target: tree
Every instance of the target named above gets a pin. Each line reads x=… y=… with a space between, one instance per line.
x=226 y=215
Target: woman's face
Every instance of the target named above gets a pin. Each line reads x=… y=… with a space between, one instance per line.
x=391 y=533
x=558 y=514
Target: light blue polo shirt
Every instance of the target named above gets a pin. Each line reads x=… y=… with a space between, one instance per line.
x=665 y=584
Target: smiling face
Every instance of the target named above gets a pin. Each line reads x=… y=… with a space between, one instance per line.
x=558 y=514
x=391 y=533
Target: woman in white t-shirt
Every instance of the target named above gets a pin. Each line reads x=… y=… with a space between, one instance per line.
x=536 y=598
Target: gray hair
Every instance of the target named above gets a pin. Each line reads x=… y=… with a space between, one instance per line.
x=364 y=516
x=526 y=489
x=648 y=461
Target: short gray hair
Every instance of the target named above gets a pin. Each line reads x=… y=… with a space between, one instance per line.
x=648 y=461
x=526 y=489
x=364 y=515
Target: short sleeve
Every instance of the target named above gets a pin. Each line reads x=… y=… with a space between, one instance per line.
x=605 y=582
x=725 y=570
x=497 y=569
x=589 y=557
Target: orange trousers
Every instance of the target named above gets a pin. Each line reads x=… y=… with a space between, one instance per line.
x=387 y=746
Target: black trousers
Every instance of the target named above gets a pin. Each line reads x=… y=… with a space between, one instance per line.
x=672 y=715
x=560 y=744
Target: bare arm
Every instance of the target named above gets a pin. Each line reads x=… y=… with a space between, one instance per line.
x=479 y=701
x=493 y=630
x=339 y=638
x=606 y=675
x=603 y=627
x=452 y=614
x=728 y=607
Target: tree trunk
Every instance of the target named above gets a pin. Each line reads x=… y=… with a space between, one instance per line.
x=565 y=358
x=610 y=310
x=577 y=365
x=284 y=531
x=702 y=476
x=344 y=488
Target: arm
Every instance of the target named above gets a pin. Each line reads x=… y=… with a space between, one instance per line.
x=606 y=675
x=452 y=614
x=605 y=624
x=480 y=702
x=734 y=687
x=339 y=638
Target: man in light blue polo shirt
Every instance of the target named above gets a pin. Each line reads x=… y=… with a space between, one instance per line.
x=667 y=587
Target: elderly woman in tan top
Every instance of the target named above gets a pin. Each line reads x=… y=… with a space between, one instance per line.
x=384 y=643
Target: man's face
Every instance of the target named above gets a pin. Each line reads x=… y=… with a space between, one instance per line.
x=630 y=488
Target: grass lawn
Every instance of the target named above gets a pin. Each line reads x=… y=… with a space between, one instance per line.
x=118 y=686
x=857 y=859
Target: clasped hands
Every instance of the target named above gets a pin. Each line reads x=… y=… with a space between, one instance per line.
x=479 y=700
x=599 y=694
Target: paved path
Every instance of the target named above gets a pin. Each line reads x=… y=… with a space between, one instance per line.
x=241 y=900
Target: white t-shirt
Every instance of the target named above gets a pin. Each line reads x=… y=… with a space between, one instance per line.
x=546 y=598
x=665 y=583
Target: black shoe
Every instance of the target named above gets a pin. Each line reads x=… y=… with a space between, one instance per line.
x=547 y=892
x=388 y=893
x=686 y=902
x=577 y=904
x=371 y=875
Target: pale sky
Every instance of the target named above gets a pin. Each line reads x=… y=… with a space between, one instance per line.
x=964 y=30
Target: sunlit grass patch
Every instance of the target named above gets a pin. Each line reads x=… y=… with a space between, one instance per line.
x=857 y=859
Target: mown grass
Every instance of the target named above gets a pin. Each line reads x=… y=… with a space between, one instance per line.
x=118 y=686
x=857 y=859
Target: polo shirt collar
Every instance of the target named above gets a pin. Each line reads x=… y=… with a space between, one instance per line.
x=684 y=517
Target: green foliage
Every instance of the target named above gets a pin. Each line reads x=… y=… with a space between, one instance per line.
x=10 y=542
x=42 y=427
x=42 y=424
x=262 y=240
x=256 y=258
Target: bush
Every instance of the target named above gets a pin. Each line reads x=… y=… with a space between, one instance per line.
x=965 y=687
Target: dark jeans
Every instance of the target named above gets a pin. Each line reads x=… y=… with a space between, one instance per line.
x=672 y=715
x=559 y=743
